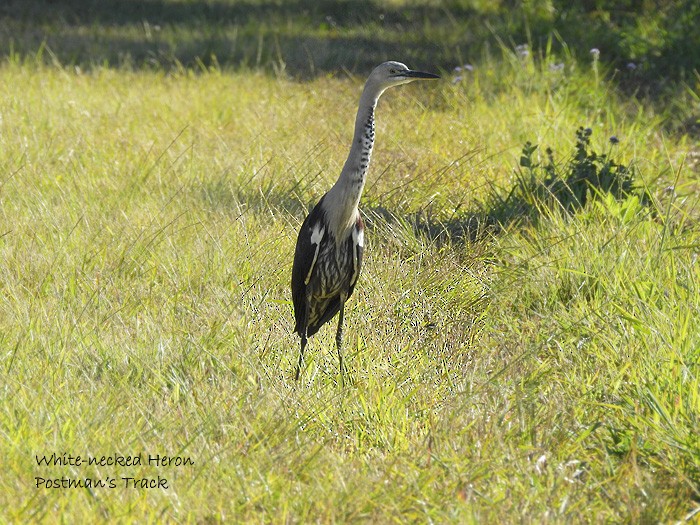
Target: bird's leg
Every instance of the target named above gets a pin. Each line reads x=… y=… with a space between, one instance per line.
x=303 y=340
x=301 y=355
x=339 y=339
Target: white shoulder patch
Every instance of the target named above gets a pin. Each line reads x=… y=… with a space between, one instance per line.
x=317 y=234
x=316 y=238
x=358 y=236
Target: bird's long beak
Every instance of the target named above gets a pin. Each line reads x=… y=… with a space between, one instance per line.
x=418 y=74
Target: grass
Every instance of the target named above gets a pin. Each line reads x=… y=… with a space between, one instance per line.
x=651 y=46
x=544 y=371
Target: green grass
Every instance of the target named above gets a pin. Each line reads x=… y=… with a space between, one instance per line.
x=544 y=371
x=307 y=37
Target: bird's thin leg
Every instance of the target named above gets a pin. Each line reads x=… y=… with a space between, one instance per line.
x=303 y=341
x=301 y=356
x=339 y=340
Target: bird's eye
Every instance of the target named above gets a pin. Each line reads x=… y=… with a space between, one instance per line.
x=392 y=71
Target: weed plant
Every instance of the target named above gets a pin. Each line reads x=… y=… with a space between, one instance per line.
x=543 y=187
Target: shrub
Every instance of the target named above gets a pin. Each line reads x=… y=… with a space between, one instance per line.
x=549 y=186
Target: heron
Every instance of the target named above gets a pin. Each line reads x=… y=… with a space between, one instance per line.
x=328 y=254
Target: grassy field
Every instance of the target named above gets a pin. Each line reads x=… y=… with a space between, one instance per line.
x=508 y=361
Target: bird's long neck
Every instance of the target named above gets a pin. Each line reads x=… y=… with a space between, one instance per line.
x=352 y=177
x=344 y=197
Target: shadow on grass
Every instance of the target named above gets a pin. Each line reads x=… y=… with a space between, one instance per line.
x=269 y=195
x=305 y=37
x=194 y=13
x=541 y=190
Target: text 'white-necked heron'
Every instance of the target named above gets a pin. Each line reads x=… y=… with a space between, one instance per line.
x=328 y=254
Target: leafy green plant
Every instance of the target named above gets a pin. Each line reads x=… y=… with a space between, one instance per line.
x=542 y=187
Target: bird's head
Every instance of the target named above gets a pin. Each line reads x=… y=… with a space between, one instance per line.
x=392 y=73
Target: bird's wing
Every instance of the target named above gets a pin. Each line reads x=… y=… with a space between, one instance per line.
x=331 y=305
x=309 y=240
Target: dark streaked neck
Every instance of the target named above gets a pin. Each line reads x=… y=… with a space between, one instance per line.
x=357 y=163
x=343 y=198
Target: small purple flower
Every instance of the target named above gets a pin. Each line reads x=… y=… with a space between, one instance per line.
x=631 y=66
x=595 y=53
x=522 y=50
x=614 y=140
x=556 y=67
